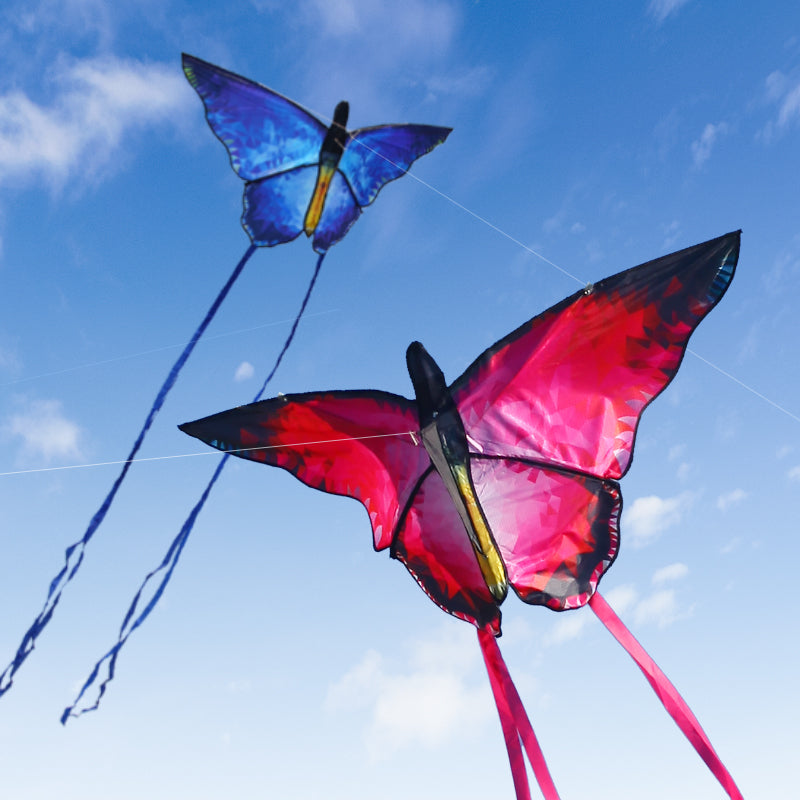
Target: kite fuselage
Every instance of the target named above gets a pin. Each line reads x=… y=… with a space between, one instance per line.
x=329 y=154
x=445 y=441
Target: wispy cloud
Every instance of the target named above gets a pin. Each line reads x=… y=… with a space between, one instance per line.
x=701 y=147
x=672 y=572
x=794 y=473
x=649 y=516
x=730 y=499
x=432 y=700
x=93 y=17
x=661 y=9
x=660 y=608
x=46 y=434
x=568 y=626
x=98 y=102
x=782 y=91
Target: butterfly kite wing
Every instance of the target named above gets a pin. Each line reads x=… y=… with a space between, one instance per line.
x=357 y=444
x=264 y=132
x=568 y=387
x=557 y=531
x=432 y=544
x=374 y=156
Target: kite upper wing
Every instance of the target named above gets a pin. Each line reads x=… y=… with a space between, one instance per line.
x=358 y=444
x=568 y=387
x=263 y=131
x=375 y=156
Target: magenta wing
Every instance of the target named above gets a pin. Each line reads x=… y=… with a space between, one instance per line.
x=568 y=387
x=433 y=545
x=358 y=444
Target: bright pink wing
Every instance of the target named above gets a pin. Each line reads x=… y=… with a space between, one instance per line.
x=358 y=444
x=568 y=387
x=557 y=531
x=433 y=545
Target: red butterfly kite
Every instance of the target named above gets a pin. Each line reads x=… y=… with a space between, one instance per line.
x=509 y=475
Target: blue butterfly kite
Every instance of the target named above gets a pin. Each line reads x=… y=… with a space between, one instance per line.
x=301 y=175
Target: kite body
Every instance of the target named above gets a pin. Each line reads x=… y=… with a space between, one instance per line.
x=508 y=476
x=300 y=174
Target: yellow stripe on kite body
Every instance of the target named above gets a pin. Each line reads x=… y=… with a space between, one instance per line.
x=489 y=561
x=324 y=178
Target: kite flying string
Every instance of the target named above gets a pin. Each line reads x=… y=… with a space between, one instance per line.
x=413 y=434
x=173 y=554
x=538 y=255
x=78 y=548
x=150 y=352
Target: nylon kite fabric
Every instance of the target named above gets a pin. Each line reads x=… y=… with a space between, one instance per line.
x=300 y=174
x=508 y=476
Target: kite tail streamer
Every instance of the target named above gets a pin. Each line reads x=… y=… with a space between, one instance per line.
x=669 y=696
x=515 y=723
x=78 y=548
x=170 y=560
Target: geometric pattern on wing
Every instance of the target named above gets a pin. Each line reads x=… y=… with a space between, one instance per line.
x=275 y=207
x=557 y=531
x=569 y=386
x=340 y=212
x=433 y=545
x=374 y=156
x=323 y=439
x=263 y=131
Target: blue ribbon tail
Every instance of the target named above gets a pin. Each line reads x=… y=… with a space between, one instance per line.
x=170 y=560
x=73 y=556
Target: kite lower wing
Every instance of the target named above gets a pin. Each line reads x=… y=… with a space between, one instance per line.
x=557 y=531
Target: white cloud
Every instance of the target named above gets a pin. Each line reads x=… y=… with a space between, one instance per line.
x=701 y=148
x=783 y=91
x=659 y=607
x=433 y=700
x=726 y=501
x=45 y=432
x=91 y=17
x=621 y=598
x=99 y=101
x=672 y=572
x=649 y=516
x=794 y=473
x=419 y=22
x=569 y=625
x=244 y=372
x=661 y=9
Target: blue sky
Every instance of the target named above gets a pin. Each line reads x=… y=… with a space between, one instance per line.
x=287 y=659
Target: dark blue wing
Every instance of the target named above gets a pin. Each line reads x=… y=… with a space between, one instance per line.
x=340 y=212
x=375 y=156
x=264 y=132
x=275 y=207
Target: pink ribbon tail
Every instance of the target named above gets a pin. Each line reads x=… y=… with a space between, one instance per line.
x=674 y=704
x=515 y=723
